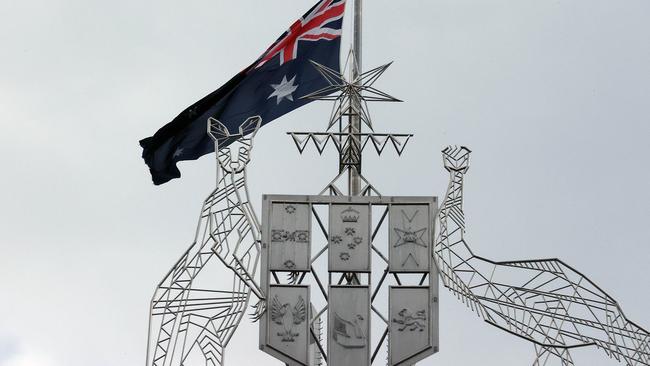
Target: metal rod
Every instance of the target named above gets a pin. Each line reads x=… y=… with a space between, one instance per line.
x=381 y=341
x=355 y=120
x=320 y=346
x=320 y=285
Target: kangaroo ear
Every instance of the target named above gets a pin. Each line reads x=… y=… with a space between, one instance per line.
x=250 y=126
x=217 y=130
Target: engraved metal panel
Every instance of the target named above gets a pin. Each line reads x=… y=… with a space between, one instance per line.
x=290 y=237
x=410 y=238
x=288 y=319
x=348 y=326
x=349 y=238
x=348 y=308
x=412 y=322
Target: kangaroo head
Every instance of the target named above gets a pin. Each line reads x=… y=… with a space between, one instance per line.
x=456 y=159
x=233 y=150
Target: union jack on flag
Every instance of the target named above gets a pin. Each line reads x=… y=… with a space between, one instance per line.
x=313 y=26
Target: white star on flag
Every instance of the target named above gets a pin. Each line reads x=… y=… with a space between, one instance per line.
x=284 y=90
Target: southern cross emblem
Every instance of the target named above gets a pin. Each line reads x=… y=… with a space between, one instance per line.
x=284 y=90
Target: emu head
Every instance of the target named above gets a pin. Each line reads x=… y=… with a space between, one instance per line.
x=456 y=159
x=233 y=150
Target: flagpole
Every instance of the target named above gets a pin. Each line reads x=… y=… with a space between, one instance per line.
x=354 y=180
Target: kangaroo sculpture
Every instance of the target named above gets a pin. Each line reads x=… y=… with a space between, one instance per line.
x=193 y=313
x=546 y=301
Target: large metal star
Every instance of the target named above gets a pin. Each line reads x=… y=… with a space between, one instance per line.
x=345 y=93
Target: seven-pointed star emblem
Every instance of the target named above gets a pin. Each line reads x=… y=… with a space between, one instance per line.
x=284 y=90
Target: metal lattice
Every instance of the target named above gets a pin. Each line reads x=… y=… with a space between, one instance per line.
x=191 y=315
x=546 y=302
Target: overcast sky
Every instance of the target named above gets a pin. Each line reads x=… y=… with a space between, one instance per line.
x=553 y=97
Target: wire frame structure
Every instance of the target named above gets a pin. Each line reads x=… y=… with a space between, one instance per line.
x=193 y=316
x=546 y=302
x=201 y=301
x=351 y=96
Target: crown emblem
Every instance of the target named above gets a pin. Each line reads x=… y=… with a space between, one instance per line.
x=350 y=215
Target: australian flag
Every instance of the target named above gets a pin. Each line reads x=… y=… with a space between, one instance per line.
x=270 y=87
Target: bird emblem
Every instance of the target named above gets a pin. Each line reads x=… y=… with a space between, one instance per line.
x=282 y=314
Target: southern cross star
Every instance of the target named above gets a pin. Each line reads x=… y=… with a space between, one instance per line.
x=284 y=90
x=178 y=152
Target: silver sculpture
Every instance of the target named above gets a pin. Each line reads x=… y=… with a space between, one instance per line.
x=342 y=287
x=193 y=316
x=543 y=301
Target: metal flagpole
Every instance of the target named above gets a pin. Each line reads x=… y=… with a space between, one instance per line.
x=354 y=183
